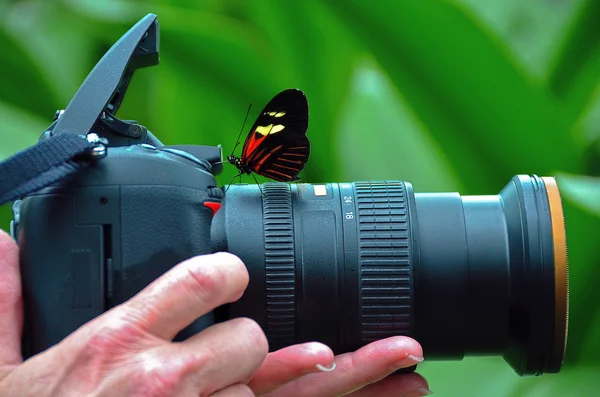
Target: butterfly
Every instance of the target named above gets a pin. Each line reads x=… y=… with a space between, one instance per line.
x=277 y=146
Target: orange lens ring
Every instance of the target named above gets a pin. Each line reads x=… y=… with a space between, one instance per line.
x=561 y=266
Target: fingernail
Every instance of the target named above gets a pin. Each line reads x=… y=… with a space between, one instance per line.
x=424 y=392
x=317 y=348
x=416 y=359
x=325 y=369
x=408 y=361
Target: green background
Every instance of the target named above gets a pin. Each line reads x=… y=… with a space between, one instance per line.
x=449 y=95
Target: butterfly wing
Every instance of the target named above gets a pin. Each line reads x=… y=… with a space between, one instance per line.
x=277 y=146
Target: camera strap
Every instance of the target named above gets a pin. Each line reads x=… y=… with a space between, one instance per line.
x=43 y=164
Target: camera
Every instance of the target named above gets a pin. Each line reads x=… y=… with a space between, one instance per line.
x=341 y=263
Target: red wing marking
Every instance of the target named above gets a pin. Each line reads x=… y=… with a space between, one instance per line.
x=290 y=161
x=294 y=154
x=253 y=143
x=265 y=158
x=284 y=166
x=275 y=172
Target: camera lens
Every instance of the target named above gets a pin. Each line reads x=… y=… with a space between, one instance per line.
x=350 y=263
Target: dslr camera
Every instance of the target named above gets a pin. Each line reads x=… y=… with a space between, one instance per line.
x=340 y=263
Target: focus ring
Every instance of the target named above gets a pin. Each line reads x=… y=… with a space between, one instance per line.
x=280 y=265
x=385 y=266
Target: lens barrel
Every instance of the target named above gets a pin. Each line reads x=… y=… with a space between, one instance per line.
x=350 y=263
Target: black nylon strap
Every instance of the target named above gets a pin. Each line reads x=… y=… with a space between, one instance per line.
x=41 y=165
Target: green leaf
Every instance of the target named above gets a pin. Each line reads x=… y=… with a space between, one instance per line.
x=18 y=129
x=389 y=141
x=529 y=30
x=23 y=85
x=574 y=75
x=108 y=11
x=582 y=190
x=481 y=109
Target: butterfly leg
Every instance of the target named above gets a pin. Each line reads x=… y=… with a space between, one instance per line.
x=258 y=184
x=231 y=181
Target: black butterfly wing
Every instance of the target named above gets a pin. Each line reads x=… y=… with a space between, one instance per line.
x=277 y=146
x=284 y=160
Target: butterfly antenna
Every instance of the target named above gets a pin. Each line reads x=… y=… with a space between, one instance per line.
x=242 y=130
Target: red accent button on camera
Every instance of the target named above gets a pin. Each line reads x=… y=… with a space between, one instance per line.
x=213 y=206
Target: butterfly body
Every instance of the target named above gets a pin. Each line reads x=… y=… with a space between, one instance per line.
x=277 y=146
x=237 y=161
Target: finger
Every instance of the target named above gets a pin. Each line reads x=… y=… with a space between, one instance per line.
x=405 y=385
x=222 y=355
x=355 y=370
x=290 y=363
x=187 y=292
x=235 y=391
x=11 y=305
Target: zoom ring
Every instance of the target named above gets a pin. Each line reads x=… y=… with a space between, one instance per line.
x=385 y=271
x=279 y=265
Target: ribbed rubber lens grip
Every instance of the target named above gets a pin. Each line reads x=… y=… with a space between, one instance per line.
x=385 y=269
x=279 y=266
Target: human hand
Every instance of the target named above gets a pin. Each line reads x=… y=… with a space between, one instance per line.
x=363 y=373
x=128 y=350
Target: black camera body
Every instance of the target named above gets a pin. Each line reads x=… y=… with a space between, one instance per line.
x=108 y=233
x=341 y=263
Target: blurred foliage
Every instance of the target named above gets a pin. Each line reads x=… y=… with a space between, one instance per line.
x=449 y=95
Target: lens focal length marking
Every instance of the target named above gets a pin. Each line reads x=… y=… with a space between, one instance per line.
x=349 y=288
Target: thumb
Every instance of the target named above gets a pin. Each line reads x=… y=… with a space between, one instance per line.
x=11 y=305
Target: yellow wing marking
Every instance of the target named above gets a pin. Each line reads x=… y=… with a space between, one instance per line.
x=269 y=129
x=275 y=114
